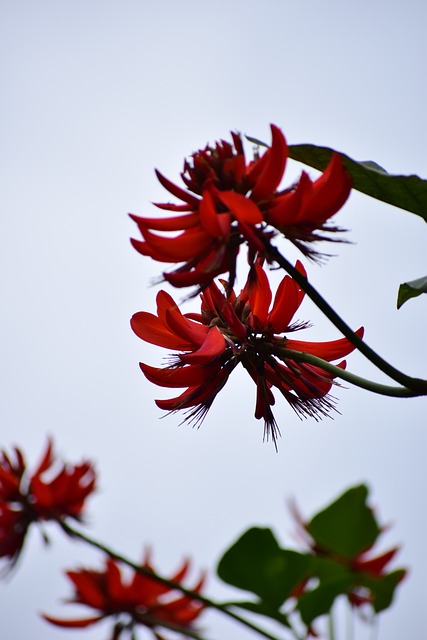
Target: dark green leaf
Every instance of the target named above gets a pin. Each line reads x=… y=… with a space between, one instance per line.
x=347 y=526
x=319 y=601
x=411 y=289
x=383 y=588
x=405 y=192
x=256 y=563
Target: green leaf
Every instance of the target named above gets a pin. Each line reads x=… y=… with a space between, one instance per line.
x=256 y=563
x=383 y=588
x=320 y=600
x=347 y=526
x=405 y=192
x=412 y=289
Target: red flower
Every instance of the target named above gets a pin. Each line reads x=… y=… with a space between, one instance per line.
x=141 y=600
x=53 y=492
x=239 y=329
x=229 y=202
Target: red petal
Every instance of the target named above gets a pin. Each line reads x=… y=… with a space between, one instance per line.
x=188 y=245
x=117 y=592
x=251 y=237
x=46 y=461
x=212 y=348
x=285 y=209
x=196 y=395
x=288 y=298
x=376 y=565
x=190 y=376
x=177 y=191
x=218 y=303
x=326 y=350
x=259 y=296
x=76 y=624
x=328 y=193
x=88 y=588
x=192 y=331
x=242 y=208
x=149 y=328
x=177 y=223
x=209 y=216
x=273 y=168
x=168 y=206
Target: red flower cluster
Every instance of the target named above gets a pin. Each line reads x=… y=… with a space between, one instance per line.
x=244 y=329
x=229 y=202
x=139 y=601
x=52 y=492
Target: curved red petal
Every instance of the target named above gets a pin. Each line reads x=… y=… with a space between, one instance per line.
x=209 y=216
x=72 y=624
x=149 y=328
x=273 y=168
x=88 y=588
x=188 y=329
x=177 y=191
x=326 y=350
x=287 y=300
x=188 y=245
x=212 y=348
x=193 y=396
x=168 y=206
x=241 y=207
x=259 y=296
x=328 y=193
x=46 y=460
x=218 y=303
x=375 y=566
x=190 y=376
x=285 y=209
x=176 y=223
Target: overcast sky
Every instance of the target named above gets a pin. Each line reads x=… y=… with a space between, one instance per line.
x=95 y=95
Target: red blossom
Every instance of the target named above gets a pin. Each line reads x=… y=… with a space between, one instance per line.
x=229 y=201
x=245 y=329
x=138 y=600
x=53 y=491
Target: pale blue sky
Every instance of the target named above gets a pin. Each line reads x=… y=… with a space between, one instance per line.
x=95 y=95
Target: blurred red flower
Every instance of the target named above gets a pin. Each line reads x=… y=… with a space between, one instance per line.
x=53 y=491
x=229 y=201
x=140 y=600
x=240 y=329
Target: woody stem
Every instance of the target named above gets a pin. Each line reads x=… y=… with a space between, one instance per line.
x=414 y=384
x=74 y=533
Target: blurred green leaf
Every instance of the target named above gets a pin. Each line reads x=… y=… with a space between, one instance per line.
x=412 y=289
x=320 y=600
x=383 y=588
x=347 y=526
x=405 y=192
x=256 y=563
